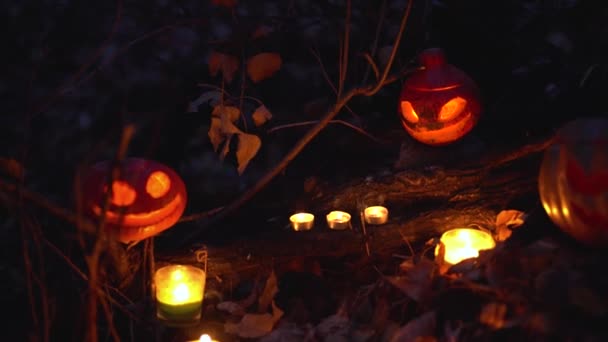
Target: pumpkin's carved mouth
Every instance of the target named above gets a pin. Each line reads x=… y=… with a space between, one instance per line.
x=141 y=219
x=450 y=131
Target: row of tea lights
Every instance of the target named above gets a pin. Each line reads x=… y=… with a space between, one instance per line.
x=180 y=288
x=339 y=220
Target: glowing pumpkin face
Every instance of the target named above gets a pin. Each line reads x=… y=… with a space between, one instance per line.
x=146 y=199
x=573 y=181
x=439 y=104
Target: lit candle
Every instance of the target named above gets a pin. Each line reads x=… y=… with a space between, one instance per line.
x=302 y=221
x=464 y=243
x=338 y=220
x=204 y=338
x=179 y=293
x=376 y=215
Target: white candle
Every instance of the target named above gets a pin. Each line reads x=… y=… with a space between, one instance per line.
x=338 y=220
x=376 y=215
x=302 y=221
x=464 y=243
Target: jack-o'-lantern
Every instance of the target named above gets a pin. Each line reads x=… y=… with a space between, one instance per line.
x=573 y=180
x=145 y=199
x=439 y=104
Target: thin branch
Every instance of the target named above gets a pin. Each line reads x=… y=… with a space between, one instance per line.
x=312 y=133
x=343 y=63
x=376 y=40
x=43 y=203
x=342 y=122
x=127 y=46
x=372 y=64
x=328 y=80
x=221 y=90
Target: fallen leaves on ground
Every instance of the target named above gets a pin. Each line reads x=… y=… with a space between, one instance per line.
x=513 y=292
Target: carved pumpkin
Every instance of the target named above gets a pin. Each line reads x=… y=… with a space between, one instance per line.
x=439 y=104
x=147 y=198
x=573 y=180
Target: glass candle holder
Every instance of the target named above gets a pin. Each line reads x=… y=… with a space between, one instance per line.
x=338 y=220
x=302 y=221
x=179 y=294
x=376 y=215
x=463 y=243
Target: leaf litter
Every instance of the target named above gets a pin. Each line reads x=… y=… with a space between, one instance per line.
x=543 y=290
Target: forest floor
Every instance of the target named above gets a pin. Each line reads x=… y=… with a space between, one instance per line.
x=79 y=74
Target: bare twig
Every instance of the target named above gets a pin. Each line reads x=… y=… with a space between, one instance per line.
x=375 y=44
x=328 y=80
x=372 y=64
x=313 y=132
x=341 y=122
x=52 y=208
x=101 y=240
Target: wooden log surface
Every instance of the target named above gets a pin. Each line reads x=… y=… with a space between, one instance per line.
x=422 y=204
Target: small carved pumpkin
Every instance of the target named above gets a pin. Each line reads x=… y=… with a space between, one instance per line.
x=439 y=104
x=573 y=180
x=146 y=198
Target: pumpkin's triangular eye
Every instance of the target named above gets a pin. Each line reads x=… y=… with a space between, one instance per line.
x=408 y=112
x=158 y=184
x=452 y=108
x=122 y=194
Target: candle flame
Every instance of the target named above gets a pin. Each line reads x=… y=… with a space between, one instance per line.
x=461 y=244
x=205 y=338
x=181 y=293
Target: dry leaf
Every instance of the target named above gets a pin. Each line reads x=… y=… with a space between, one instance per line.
x=270 y=290
x=493 y=314
x=261 y=115
x=255 y=325
x=420 y=327
x=231 y=308
x=226 y=63
x=248 y=147
x=416 y=282
x=229 y=113
x=216 y=136
x=211 y=97
x=334 y=328
x=263 y=65
x=506 y=221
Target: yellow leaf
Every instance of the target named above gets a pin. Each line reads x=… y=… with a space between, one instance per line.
x=263 y=65
x=248 y=147
x=228 y=113
x=270 y=290
x=506 y=221
x=225 y=63
x=215 y=133
x=261 y=115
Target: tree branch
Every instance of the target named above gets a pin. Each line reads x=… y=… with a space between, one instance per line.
x=310 y=135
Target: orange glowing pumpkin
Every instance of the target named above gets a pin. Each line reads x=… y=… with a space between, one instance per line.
x=440 y=103
x=573 y=180
x=146 y=199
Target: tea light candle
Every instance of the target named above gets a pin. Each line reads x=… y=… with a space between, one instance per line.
x=464 y=243
x=204 y=338
x=376 y=215
x=302 y=221
x=179 y=293
x=338 y=220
